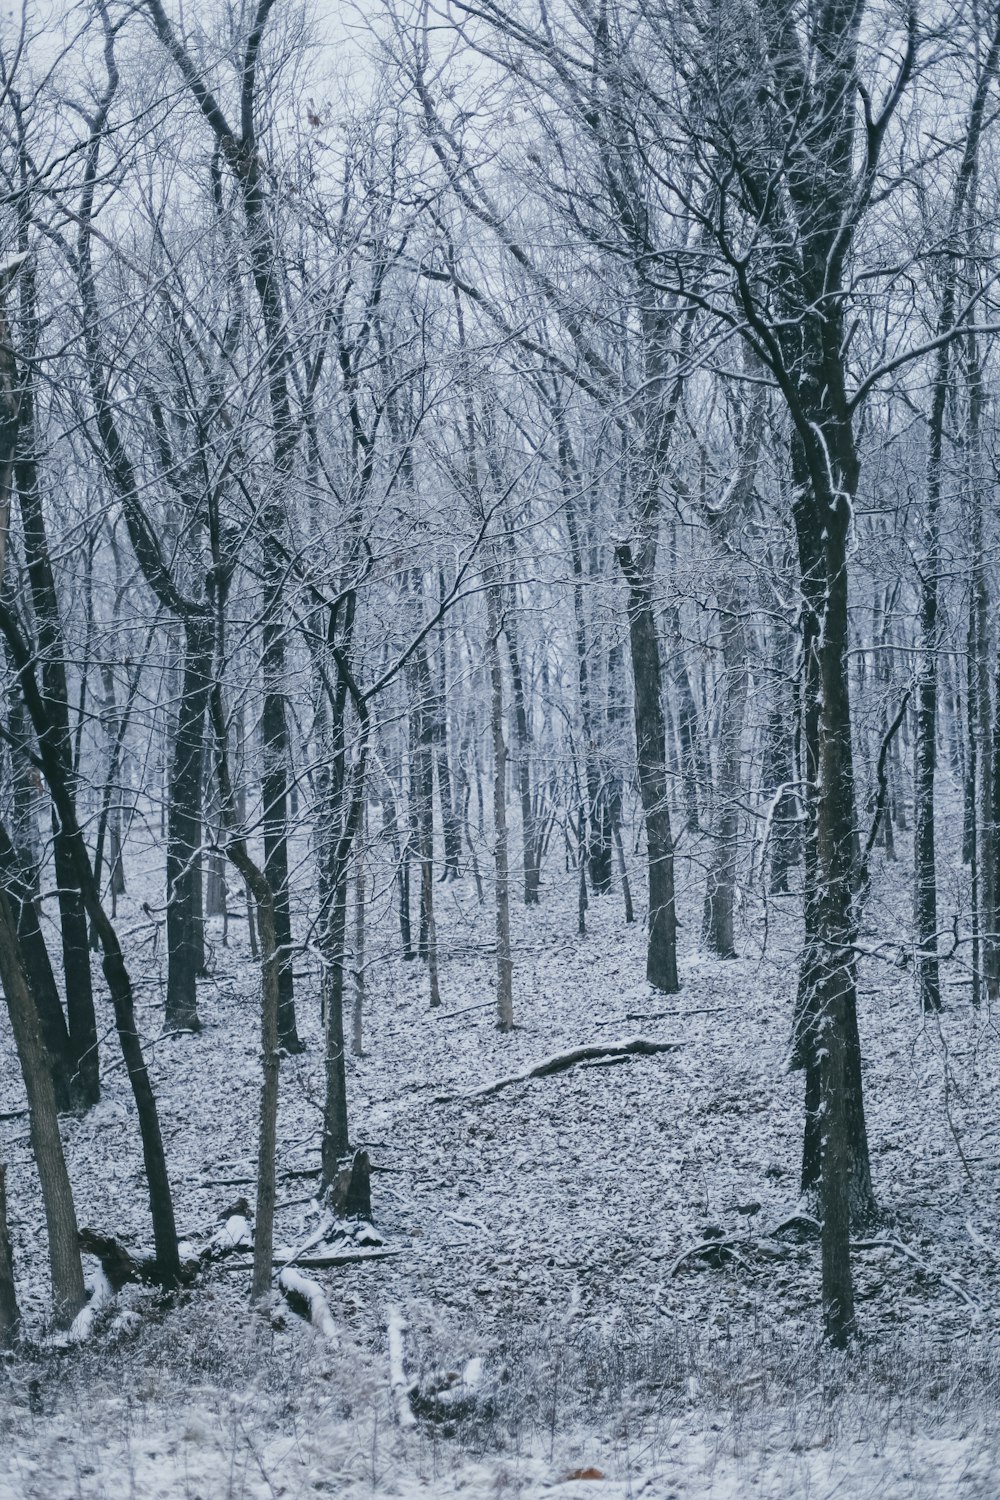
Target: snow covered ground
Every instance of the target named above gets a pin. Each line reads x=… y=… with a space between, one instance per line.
x=539 y=1230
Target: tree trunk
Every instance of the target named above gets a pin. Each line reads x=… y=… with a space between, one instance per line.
x=10 y=1317
x=38 y=970
x=68 y=1294
x=980 y=724
x=528 y=837
x=52 y=656
x=358 y=1010
x=115 y=972
x=185 y=817
x=720 y=892
x=650 y=735
x=505 y=966
x=694 y=771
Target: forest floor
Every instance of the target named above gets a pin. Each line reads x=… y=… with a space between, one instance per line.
x=538 y=1230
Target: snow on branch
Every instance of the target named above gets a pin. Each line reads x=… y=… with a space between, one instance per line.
x=561 y=1063
x=304 y=1293
x=397 y=1369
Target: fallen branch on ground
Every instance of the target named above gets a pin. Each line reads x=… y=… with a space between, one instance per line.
x=302 y=1293
x=894 y=1244
x=563 y=1061
x=317 y=1261
x=662 y=1015
x=712 y=1251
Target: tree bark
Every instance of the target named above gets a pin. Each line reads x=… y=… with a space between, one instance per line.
x=185 y=818
x=10 y=1317
x=38 y=970
x=68 y=1294
x=505 y=965
x=115 y=971
x=650 y=735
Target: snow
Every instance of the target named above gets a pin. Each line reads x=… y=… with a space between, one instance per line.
x=290 y=1280
x=533 y=1234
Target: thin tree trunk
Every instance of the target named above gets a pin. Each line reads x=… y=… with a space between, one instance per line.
x=185 y=817
x=523 y=764
x=258 y=889
x=505 y=966
x=357 y=1015
x=10 y=1317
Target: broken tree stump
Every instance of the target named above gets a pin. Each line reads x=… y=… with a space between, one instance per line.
x=351 y=1194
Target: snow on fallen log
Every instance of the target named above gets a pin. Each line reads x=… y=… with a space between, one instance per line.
x=397 y=1369
x=235 y=1234
x=560 y=1063
x=301 y=1292
x=101 y=1298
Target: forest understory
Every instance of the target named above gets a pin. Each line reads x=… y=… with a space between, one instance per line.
x=549 y=1230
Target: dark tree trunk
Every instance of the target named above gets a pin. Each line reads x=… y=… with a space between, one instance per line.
x=10 y=1317
x=68 y=1295
x=52 y=656
x=650 y=734
x=115 y=972
x=38 y=969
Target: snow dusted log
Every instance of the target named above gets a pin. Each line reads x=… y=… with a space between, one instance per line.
x=101 y=1298
x=118 y=1265
x=307 y=1298
x=397 y=1369
x=639 y=1047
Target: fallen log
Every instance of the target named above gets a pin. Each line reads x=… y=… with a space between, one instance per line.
x=307 y=1298
x=101 y=1298
x=119 y=1265
x=714 y=1251
x=561 y=1063
x=396 y=1329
